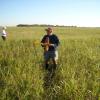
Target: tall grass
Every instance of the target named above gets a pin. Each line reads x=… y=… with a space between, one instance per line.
x=22 y=74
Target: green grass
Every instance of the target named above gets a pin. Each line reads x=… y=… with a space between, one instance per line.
x=77 y=77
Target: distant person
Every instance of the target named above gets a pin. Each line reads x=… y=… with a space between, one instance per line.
x=50 y=42
x=4 y=33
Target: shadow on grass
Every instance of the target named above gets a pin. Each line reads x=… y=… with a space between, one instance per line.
x=49 y=76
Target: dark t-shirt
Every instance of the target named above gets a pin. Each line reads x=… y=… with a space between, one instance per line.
x=53 y=39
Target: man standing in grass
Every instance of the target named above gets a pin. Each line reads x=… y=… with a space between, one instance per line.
x=3 y=33
x=50 y=42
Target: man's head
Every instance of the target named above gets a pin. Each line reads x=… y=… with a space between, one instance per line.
x=49 y=30
x=4 y=28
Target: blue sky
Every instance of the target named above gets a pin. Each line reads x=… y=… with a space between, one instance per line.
x=56 y=12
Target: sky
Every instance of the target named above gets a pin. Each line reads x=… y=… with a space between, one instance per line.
x=84 y=13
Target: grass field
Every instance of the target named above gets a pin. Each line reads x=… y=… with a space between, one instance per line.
x=77 y=77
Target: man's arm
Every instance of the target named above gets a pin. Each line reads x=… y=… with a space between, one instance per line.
x=56 y=41
x=43 y=41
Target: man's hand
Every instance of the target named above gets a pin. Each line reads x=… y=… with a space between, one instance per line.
x=47 y=44
x=51 y=44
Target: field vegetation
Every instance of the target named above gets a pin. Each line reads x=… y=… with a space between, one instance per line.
x=22 y=73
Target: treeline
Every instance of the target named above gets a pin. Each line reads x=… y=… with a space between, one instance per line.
x=42 y=25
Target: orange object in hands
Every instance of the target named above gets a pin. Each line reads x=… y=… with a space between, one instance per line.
x=47 y=42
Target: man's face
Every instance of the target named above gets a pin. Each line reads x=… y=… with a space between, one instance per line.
x=49 y=32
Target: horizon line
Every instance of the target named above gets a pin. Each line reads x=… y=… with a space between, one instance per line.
x=49 y=25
